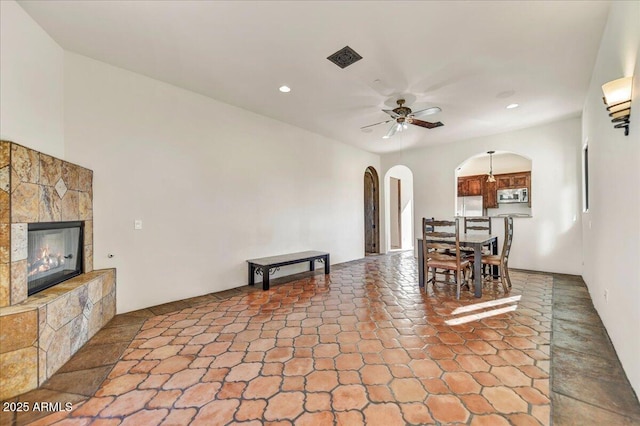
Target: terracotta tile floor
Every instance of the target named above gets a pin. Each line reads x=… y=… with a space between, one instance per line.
x=361 y=346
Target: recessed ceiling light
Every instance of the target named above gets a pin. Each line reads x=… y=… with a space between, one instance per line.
x=512 y=106
x=285 y=89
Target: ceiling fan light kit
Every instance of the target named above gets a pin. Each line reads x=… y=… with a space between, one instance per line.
x=391 y=132
x=402 y=116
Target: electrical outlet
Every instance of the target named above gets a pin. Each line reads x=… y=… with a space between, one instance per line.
x=137 y=224
x=606 y=295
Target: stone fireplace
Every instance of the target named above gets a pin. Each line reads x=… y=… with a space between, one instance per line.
x=41 y=328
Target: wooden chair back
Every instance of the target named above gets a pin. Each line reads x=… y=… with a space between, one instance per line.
x=441 y=242
x=508 y=238
x=477 y=223
x=439 y=236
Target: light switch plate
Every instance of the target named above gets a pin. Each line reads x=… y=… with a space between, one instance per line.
x=137 y=224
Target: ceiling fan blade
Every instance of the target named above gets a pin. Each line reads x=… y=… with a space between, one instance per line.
x=425 y=124
x=427 y=111
x=371 y=125
x=391 y=112
x=392 y=131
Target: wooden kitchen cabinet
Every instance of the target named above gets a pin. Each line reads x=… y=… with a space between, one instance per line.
x=503 y=181
x=474 y=185
x=513 y=180
x=470 y=185
x=478 y=185
x=490 y=196
x=521 y=180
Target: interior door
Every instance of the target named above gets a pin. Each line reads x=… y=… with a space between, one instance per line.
x=371 y=236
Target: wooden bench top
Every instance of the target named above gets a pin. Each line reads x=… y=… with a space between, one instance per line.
x=289 y=257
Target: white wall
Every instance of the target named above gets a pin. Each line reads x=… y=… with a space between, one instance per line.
x=550 y=240
x=611 y=228
x=214 y=185
x=31 y=83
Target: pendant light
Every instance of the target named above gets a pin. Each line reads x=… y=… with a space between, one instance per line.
x=491 y=178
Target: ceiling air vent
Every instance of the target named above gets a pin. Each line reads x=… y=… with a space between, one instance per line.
x=345 y=57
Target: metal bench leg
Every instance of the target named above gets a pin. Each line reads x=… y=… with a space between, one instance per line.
x=252 y=280
x=265 y=278
x=327 y=267
x=312 y=265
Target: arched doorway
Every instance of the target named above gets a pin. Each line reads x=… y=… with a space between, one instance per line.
x=371 y=212
x=398 y=185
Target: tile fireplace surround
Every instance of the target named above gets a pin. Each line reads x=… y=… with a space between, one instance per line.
x=39 y=333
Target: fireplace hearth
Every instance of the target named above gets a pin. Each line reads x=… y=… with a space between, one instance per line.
x=54 y=254
x=40 y=332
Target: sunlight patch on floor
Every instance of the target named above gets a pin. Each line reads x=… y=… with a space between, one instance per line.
x=482 y=305
x=481 y=315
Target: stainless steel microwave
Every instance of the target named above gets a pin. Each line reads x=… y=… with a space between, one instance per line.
x=519 y=195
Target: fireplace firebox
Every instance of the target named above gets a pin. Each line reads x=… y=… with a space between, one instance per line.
x=55 y=252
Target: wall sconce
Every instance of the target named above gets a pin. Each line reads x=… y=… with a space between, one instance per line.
x=617 y=97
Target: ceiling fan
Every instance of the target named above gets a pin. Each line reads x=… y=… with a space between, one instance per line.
x=402 y=116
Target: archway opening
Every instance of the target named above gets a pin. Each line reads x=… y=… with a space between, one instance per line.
x=399 y=208
x=494 y=183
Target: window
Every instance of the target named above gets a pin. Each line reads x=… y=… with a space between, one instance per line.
x=585 y=178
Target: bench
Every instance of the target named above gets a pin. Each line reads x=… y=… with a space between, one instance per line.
x=269 y=265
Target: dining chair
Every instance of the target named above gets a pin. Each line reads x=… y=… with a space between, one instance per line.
x=441 y=248
x=477 y=224
x=445 y=251
x=501 y=260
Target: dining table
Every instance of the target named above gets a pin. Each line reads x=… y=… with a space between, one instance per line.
x=475 y=241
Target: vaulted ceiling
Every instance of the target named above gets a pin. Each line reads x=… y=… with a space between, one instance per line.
x=469 y=58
